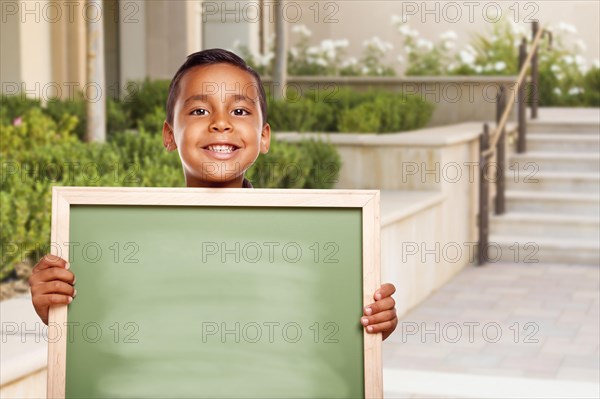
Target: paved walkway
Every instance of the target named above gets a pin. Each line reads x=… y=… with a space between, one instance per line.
x=502 y=330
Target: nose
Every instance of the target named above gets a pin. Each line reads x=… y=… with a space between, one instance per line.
x=220 y=123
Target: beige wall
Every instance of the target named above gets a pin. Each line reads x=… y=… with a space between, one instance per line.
x=10 y=51
x=156 y=36
x=25 y=54
x=362 y=19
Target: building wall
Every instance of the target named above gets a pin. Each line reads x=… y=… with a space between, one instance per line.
x=361 y=20
x=10 y=51
x=151 y=39
x=25 y=47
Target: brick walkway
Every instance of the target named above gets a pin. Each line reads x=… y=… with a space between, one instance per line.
x=527 y=330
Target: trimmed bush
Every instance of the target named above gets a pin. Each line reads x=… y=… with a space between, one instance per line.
x=143 y=97
x=345 y=110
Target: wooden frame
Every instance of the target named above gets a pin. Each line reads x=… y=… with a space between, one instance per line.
x=367 y=200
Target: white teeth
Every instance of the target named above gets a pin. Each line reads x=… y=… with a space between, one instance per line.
x=221 y=148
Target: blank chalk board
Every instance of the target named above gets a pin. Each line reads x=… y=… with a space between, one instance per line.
x=215 y=293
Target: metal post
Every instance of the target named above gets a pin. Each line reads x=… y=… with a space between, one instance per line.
x=484 y=143
x=500 y=154
x=521 y=105
x=535 y=76
x=96 y=77
x=281 y=44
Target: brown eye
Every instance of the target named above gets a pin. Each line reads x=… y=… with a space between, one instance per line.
x=198 y=112
x=240 y=112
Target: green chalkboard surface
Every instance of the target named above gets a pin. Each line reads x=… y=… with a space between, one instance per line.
x=209 y=301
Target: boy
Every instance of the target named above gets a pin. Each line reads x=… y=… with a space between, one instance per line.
x=216 y=120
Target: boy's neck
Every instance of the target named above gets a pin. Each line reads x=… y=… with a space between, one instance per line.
x=238 y=182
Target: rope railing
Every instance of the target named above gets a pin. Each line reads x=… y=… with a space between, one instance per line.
x=494 y=143
x=495 y=136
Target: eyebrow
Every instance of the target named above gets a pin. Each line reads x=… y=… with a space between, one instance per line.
x=204 y=98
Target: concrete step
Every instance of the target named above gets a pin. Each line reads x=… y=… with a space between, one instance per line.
x=573 y=182
x=552 y=202
x=576 y=142
x=534 y=162
x=527 y=250
x=546 y=225
x=561 y=127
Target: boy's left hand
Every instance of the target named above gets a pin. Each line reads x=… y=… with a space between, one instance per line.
x=380 y=316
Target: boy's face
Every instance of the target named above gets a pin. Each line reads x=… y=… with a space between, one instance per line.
x=217 y=125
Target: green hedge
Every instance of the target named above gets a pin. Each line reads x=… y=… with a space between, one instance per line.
x=345 y=110
x=38 y=152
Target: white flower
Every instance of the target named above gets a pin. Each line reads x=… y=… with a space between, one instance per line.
x=555 y=68
x=494 y=38
x=265 y=59
x=449 y=45
x=379 y=44
x=596 y=63
x=396 y=19
x=327 y=45
x=517 y=30
x=580 y=44
x=365 y=70
x=320 y=61
x=407 y=49
x=379 y=70
x=404 y=29
x=449 y=35
x=302 y=30
x=562 y=26
x=500 y=66
x=349 y=62
x=413 y=33
x=341 y=43
x=579 y=60
x=312 y=50
x=400 y=59
x=451 y=66
x=559 y=76
x=575 y=90
x=466 y=57
x=568 y=59
x=426 y=44
x=478 y=69
x=557 y=91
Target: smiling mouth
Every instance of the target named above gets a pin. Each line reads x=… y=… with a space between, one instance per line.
x=222 y=148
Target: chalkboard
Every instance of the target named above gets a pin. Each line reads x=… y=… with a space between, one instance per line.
x=215 y=293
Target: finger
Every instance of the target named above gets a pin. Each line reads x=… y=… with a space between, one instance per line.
x=386 y=327
x=52 y=274
x=379 y=306
x=45 y=301
x=385 y=290
x=53 y=287
x=378 y=318
x=48 y=261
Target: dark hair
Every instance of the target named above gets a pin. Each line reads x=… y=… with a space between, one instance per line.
x=211 y=57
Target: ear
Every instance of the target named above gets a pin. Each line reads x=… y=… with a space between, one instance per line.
x=265 y=139
x=168 y=137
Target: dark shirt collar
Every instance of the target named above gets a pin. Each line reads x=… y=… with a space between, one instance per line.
x=246 y=183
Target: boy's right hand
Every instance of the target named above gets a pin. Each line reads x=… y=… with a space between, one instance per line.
x=51 y=284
